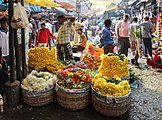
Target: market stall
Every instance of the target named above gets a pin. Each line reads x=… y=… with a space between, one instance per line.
x=73 y=81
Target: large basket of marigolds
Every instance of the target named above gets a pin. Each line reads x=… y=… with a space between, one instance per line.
x=110 y=95
x=38 y=88
x=40 y=58
x=73 y=88
x=113 y=64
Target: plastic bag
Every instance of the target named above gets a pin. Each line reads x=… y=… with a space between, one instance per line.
x=19 y=18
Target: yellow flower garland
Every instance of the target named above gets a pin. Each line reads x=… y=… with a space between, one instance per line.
x=112 y=65
x=104 y=87
x=41 y=57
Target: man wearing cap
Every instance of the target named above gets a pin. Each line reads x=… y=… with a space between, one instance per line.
x=42 y=36
x=64 y=49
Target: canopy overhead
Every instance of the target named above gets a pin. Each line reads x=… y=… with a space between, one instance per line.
x=111 y=6
x=100 y=6
x=104 y=2
x=45 y=3
x=141 y=1
x=67 y=5
x=60 y=11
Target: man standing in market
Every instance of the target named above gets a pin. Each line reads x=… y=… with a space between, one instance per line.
x=106 y=38
x=4 y=38
x=64 y=49
x=123 y=35
x=134 y=41
x=146 y=31
x=42 y=36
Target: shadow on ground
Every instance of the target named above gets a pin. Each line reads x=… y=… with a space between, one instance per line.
x=54 y=112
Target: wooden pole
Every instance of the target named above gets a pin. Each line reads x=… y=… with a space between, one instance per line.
x=11 y=44
x=17 y=54
x=24 y=65
x=13 y=86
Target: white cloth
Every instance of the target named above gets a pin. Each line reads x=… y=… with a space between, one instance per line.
x=49 y=26
x=26 y=35
x=96 y=40
x=4 y=43
x=85 y=24
x=42 y=44
x=30 y=28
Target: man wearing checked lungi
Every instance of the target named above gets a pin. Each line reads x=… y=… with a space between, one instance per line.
x=64 y=49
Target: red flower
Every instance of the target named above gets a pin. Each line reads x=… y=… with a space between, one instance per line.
x=157 y=58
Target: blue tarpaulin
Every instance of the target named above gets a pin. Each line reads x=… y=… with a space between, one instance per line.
x=2 y=6
x=2 y=3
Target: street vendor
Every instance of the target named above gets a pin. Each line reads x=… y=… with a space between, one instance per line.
x=64 y=49
x=106 y=39
x=82 y=40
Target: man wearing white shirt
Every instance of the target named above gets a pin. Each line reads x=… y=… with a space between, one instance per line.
x=4 y=43
x=97 y=38
x=4 y=38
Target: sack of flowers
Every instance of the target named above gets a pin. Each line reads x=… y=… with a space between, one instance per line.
x=73 y=88
x=38 y=88
x=110 y=95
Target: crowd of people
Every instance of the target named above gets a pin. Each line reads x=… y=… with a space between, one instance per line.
x=67 y=29
x=45 y=32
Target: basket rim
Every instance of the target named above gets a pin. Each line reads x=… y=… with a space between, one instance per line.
x=128 y=94
x=38 y=91
x=59 y=88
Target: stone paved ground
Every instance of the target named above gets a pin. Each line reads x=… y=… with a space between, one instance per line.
x=146 y=101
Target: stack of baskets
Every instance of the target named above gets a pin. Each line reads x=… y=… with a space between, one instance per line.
x=38 y=98
x=75 y=99
x=110 y=106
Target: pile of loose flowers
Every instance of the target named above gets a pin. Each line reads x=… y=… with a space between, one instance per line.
x=156 y=62
x=110 y=86
x=91 y=61
x=74 y=78
x=113 y=64
x=55 y=66
x=41 y=57
x=37 y=81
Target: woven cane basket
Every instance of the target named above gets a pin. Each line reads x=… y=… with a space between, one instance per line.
x=38 y=98
x=111 y=106
x=75 y=100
